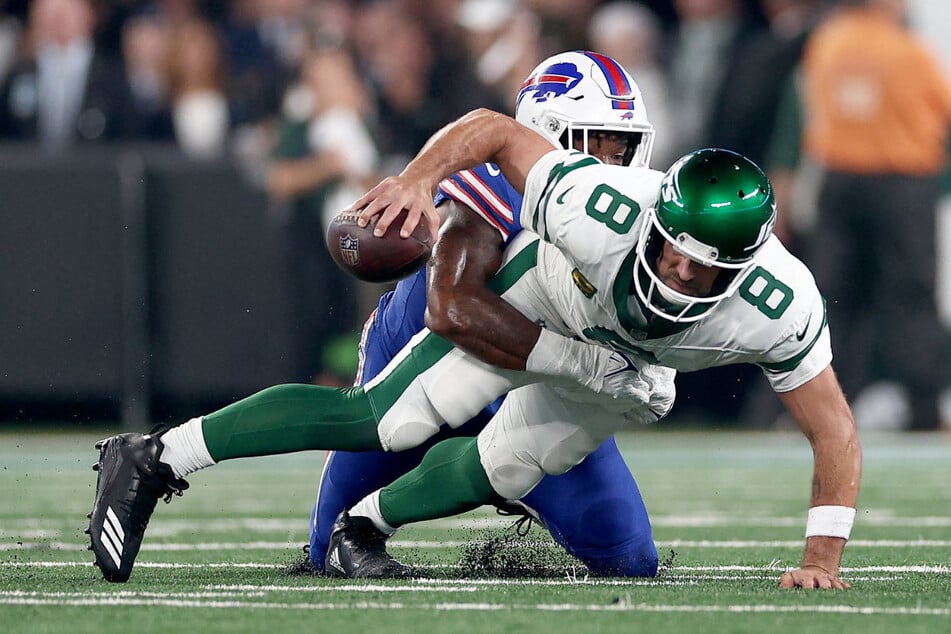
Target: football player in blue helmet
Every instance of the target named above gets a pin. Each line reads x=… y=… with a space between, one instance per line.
x=581 y=100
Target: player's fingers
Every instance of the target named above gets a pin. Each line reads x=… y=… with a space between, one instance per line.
x=378 y=200
x=368 y=204
x=806 y=581
x=386 y=218
x=413 y=212
x=797 y=579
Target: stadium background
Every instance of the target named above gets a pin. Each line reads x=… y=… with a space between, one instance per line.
x=142 y=284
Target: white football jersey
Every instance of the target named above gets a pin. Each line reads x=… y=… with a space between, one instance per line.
x=588 y=216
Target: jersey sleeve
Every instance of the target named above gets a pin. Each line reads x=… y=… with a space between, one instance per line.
x=803 y=348
x=484 y=190
x=549 y=191
x=802 y=366
x=586 y=209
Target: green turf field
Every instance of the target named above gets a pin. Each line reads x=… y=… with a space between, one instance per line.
x=728 y=511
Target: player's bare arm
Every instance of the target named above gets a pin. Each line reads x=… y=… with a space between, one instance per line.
x=821 y=411
x=461 y=307
x=481 y=136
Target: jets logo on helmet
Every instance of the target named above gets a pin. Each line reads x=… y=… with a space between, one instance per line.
x=571 y=97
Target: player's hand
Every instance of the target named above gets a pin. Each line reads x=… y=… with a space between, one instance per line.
x=392 y=195
x=621 y=377
x=812 y=577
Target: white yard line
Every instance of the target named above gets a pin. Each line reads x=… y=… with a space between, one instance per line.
x=936 y=569
x=36 y=528
x=441 y=544
x=621 y=606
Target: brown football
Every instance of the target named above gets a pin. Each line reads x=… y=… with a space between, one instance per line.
x=385 y=259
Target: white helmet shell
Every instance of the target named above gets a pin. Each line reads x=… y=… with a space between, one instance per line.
x=587 y=92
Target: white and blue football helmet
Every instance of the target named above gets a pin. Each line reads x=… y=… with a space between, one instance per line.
x=571 y=95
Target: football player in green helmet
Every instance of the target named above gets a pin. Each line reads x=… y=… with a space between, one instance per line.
x=679 y=269
x=601 y=289
x=715 y=208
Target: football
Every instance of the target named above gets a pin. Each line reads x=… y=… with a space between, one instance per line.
x=385 y=259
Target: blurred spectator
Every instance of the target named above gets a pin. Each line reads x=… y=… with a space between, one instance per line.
x=631 y=34
x=323 y=160
x=144 y=41
x=331 y=21
x=10 y=31
x=64 y=91
x=197 y=86
x=178 y=11
x=501 y=42
x=283 y=29
x=412 y=100
x=705 y=44
x=323 y=141
x=745 y=110
x=258 y=75
x=562 y=24
x=877 y=118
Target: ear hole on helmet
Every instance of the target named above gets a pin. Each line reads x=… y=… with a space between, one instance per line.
x=655 y=242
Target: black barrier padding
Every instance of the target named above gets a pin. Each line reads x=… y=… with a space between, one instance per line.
x=219 y=306
x=60 y=301
x=136 y=284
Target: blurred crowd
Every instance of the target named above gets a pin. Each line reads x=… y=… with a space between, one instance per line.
x=220 y=77
x=319 y=98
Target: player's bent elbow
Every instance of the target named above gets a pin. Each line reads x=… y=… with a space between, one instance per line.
x=448 y=320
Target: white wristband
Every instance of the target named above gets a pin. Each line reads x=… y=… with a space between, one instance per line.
x=830 y=521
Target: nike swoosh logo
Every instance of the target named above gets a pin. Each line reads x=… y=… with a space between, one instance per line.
x=618 y=363
x=802 y=333
x=561 y=197
x=492 y=169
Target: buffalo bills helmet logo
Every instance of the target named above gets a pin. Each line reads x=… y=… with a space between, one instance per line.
x=553 y=81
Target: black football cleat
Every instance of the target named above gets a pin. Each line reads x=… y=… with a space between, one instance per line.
x=131 y=481
x=358 y=551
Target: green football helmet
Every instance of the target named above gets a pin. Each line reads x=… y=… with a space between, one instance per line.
x=717 y=208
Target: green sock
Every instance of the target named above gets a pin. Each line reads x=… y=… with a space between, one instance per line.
x=450 y=480
x=292 y=417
